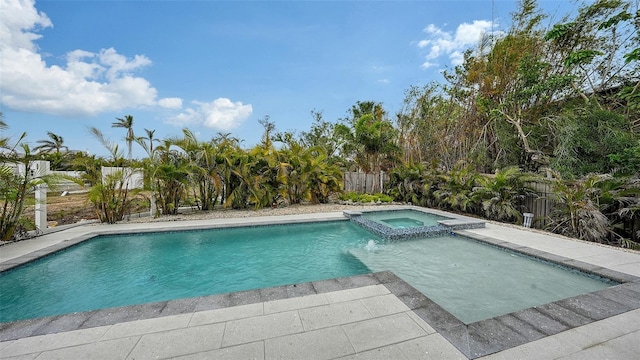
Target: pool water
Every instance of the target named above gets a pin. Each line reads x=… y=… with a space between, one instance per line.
x=111 y=271
x=472 y=281
x=403 y=223
x=402 y=219
x=475 y=281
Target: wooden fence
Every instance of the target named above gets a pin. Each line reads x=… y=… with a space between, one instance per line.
x=360 y=182
x=540 y=206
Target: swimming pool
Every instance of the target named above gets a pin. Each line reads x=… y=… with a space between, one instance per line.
x=112 y=271
x=109 y=271
x=475 y=281
x=402 y=219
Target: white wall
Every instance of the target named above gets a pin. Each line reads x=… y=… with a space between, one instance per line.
x=134 y=178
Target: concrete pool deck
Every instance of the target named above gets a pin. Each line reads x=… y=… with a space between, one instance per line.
x=369 y=316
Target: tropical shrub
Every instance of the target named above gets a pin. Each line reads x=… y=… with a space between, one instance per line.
x=110 y=193
x=501 y=196
x=204 y=174
x=112 y=198
x=16 y=188
x=171 y=184
x=239 y=181
x=620 y=202
x=407 y=184
x=596 y=141
x=576 y=212
x=454 y=190
x=627 y=161
x=366 y=198
x=321 y=179
x=414 y=183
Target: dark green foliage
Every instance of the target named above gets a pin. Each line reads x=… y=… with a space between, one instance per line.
x=454 y=190
x=626 y=162
x=594 y=141
x=620 y=202
x=414 y=183
x=577 y=211
x=323 y=134
x=581 y=57
x=406 y=184
x=634 y=55
x=501 y=196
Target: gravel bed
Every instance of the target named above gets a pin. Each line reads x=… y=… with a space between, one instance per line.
x=222 y=213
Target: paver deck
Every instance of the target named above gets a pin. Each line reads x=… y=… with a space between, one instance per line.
x=365 y=317
x=363 y=322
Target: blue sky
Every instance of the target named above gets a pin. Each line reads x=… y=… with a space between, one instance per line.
x=220 y=66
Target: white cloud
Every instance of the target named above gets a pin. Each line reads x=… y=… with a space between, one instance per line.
x=470 y=34
x=457 y=57
x=428 y=64
x=220 y=114
x=117 y=64
x=89 y=83
x=452 y=44
x=20 y=15
x=170 y=103
x=423 y=43
x=433 y=30
x=82 y=69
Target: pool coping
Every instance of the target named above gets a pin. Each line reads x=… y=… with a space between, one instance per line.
x=450 y=223
x=520 y=327
x=473 y=340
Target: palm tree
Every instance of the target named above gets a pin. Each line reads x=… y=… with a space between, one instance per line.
x=127 y=123
x=4 y=142
x=305 y=173
x=55 y=143
x=410 y=182
x=501 y=195
x=203 y=168
x=149 y=137
x=267 y=173
x=620 y=202
x=110 y=194
x=15 y=189
x=239 y=180
x=320 y=178
x=228 y=151
x=576 y=212
x=292 y=183
x=454 y=188
x=171 y=176
x=150 y=166
x=52 y=146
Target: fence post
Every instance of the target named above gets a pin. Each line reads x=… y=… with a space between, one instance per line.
x=41 y=207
